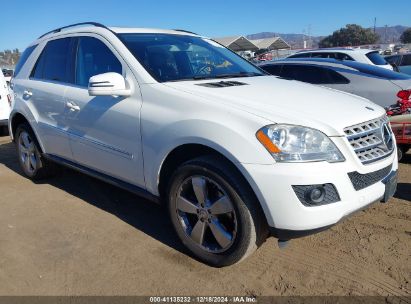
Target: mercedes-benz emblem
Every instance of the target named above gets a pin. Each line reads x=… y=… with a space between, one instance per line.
x=387 y=136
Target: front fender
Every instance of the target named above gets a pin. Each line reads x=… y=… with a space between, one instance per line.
x=239 y=146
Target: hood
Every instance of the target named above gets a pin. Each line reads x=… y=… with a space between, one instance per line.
x=402 y=84
x=287 y=101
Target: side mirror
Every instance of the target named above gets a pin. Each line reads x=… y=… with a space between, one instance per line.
x=108 y=84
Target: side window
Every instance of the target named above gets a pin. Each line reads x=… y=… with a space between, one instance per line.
x=93 y=58
x=342 y=56
x=54 y=62
x=313 y=74
x=26 y=54
x=273 y=69
x=303 y=55
x=336 y=78
x=322 y=55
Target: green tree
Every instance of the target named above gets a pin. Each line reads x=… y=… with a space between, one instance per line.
x=406 y=36
x=350 y=35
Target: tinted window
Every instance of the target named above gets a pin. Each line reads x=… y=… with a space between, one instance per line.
x=303 y=55
x=342 y=56
x=54 y=61
x=393 y=59
x=406 y=60
x=322 y=55
x=377 y=71
x=93 y=58
x=169 y=57
x=376 y=58
x=313 y=74
x=23 y=58
x=273 y=69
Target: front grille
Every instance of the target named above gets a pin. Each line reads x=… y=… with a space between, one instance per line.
x=371 y=140
x=361 y=181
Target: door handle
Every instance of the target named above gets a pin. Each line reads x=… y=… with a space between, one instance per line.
x=72 y=106
x=27 y=94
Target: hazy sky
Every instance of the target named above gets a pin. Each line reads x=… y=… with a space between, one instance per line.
x=23 y=21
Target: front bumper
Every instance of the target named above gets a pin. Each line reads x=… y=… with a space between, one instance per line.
x=285 y=213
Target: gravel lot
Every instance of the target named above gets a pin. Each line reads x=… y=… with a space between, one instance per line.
x=74 y=235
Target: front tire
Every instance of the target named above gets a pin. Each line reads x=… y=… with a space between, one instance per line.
x=31 y=160
x=214 y=211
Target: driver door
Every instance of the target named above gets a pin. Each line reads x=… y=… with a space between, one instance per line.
x=104 y=131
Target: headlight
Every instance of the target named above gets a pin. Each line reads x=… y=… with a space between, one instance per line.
x=288 y=143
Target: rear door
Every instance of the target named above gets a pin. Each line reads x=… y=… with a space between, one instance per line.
x=104 y=130
x=44 y=92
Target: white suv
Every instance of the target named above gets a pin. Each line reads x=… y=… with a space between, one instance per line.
x=5 y=102
x=177 y=118
x=372 y=57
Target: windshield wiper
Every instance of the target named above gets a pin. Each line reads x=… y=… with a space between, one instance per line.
x=233 y=75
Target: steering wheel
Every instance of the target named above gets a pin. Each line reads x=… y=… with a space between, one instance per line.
x=202 y=69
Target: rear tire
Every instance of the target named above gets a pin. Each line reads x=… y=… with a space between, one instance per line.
x=4 y=131
x=219 y=234
x=400 y=152
x=30 y=156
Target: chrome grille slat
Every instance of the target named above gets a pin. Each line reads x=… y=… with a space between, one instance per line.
x=363 y=133
x=367 y=140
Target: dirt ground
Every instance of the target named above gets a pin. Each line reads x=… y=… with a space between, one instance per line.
x=74 y=235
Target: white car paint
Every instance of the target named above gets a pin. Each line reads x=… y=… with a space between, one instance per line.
x=129 y=138
x=356 y=54
x=4 y=101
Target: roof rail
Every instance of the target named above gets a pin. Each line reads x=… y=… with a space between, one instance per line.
x=184 y=31
x=73 y=25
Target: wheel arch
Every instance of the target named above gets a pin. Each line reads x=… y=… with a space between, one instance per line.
x=185 y=152
x=18 y=118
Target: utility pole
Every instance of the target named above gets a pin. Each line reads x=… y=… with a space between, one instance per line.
x=310 y=44
x=385 y=33
x=375 y=23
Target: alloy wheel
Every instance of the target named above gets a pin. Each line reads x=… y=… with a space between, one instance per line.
x=206 y=214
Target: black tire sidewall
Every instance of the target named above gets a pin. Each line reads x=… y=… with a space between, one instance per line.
x=39 y=165
x=244 y=220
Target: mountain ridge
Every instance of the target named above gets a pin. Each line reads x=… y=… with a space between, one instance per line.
x=389 y=34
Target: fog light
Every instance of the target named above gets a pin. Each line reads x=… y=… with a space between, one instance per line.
x=315 y=195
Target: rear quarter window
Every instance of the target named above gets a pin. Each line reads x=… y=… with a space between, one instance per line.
x=23 y=58
x=376 y=58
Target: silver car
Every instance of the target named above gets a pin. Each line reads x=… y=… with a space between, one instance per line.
x=379 y=85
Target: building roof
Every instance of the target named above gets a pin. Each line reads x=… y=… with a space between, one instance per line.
x=274 y=43
x=237 y=43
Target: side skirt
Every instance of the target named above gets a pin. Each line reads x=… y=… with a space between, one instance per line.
x=104 y=177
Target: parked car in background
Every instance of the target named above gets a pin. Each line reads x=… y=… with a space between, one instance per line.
x=5 y=102
x=379 y=85
x=181 y=120
x=367 y=56
x=8 y=74
x=401 y=61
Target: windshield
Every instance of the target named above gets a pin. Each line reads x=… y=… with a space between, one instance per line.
x=376 y=58
x=169 y=57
